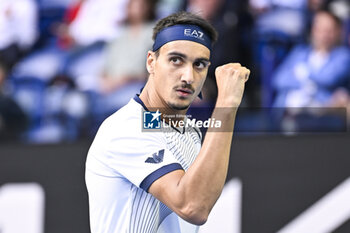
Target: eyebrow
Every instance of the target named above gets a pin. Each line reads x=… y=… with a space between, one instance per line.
x=202 y=59
x=177 y=54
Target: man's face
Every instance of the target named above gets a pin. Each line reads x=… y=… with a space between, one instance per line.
x=325 y=32
x=179 y=72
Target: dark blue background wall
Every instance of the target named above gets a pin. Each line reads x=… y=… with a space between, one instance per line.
x=281 y=176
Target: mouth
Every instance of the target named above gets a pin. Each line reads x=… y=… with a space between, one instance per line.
x=184 y=92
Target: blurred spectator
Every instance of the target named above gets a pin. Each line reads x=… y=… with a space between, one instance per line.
x=124 y=71
x=57 y=108
x=311 y=73
x=63 y=113
x=86 y=26
x=13 y=120
x=18 y=29
x=97 y=20
x=278 y=25
x=124 y=65
x=340 y=8
x=61 y=29
x=285 y=16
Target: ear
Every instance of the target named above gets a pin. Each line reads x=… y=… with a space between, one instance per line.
x=151 y=59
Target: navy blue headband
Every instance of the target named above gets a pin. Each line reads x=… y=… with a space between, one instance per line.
x=181 y=32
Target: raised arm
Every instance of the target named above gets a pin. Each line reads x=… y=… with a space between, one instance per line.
x=192 y=194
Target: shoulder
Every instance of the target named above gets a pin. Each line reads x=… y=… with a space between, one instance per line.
x=297 y=53
x=123 y=121
x=301 y=49
x=341 y=52
x=123 y=129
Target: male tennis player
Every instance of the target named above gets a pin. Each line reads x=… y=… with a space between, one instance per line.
x=152 y=182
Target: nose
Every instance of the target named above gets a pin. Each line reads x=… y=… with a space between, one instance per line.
x=188 y=75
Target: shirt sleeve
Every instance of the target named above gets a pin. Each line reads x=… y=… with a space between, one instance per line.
x=141 y=158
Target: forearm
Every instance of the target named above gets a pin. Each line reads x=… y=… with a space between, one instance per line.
x=204 y=180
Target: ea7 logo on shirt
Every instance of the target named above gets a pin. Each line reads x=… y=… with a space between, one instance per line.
x=156 y=157
x=194 y=33
x=151 y=120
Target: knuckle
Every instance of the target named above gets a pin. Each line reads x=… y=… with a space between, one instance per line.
x=232 y=69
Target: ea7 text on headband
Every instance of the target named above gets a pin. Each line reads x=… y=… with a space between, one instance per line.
x=181 y=32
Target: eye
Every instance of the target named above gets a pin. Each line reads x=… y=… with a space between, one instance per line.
x=176 y=60
x=201 y=64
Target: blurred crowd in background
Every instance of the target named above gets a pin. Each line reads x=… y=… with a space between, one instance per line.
x=65 y=65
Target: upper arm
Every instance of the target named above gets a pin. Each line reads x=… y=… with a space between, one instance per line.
x=165 y=189
x=334 y=73
x=170 y=190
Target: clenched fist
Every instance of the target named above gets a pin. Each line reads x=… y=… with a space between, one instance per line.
x=230 y=79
